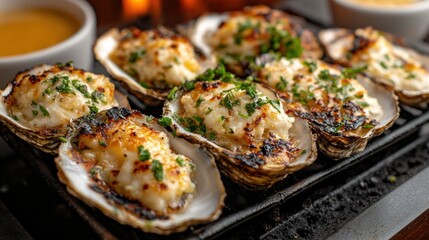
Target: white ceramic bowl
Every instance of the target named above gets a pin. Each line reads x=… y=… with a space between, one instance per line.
x=410 y=21
x=77 y=48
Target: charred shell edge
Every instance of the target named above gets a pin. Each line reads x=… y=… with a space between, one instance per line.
x=246 y=176
x=204 y=199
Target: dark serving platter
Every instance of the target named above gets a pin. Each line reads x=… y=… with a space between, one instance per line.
x=240 y=205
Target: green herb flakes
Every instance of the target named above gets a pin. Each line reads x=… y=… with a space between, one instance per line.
x=172 y=94
x=102 y=143
x=199 y=101
x=352 y=72
x=44 y=111
x=312 y=66
x=180 y=161
x=157 y=170
x=165 y=121
x=144 y=154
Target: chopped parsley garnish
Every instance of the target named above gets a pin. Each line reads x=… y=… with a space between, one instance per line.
x=189 y=85
x=96 y=96
x=312 y=66
x=144 y=154
x=102 y=143
x=165 y=121
x=134 y=56
x=219 y=73
x=209 y=110
x=172 y=94
x=411 y=76
x=62 y=139
x=157 y=170
x=327 y=76
x=228 y=101
x=303 y=151
x=368 y=126
x=149 y=118
x=35 y=112
x=281 y=86
x=93 y=109
x=44 y=111
x=383 y=65
x=144 y=84
x=48 y=91
x=89 y=79
x=242 y=27
x=363 y=104
x=211 y=136
x=280 y=41
x=81 y=88
x=199 y=101
x=193 y=124
x=180 y=161
x=64 y=87
x=352 y=72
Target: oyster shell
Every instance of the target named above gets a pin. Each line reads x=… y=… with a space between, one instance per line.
x=238 y=37
x=254 y=142
x=149 y=63
x=40 y=102
x=391 y=65
x=101 y=164
x=344 y=112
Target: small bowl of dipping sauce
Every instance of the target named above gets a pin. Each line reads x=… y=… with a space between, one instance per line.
x=406 y=18
x=44 y=32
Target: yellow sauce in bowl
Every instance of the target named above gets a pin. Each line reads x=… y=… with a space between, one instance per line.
x=381 y=3
x=28 y=30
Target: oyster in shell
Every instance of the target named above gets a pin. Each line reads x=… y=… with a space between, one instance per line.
x=39 y=103
x=149 y=63
x=238 y=37
x=129 y=167
x=244 y=125
x=344 y=112
x=394 y=66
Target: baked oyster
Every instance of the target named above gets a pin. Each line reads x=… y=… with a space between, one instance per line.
x=344 y=112
x=149 y=63
x=244 y=125
x=394 y=66
x=236 y=38
x=130 y=168
x=39 y=103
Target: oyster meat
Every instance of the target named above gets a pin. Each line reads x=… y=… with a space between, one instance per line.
x=394 y=66
x=238 y=37
x=39 y=103
x=244 y=125
x=342 y=111
x=149 y=63
x=134 y=171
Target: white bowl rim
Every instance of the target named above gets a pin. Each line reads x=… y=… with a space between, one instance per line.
x=85 y=29
x=418 y=6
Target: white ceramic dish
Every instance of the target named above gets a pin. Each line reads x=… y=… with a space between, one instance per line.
x=409 y=20
x=77 y=48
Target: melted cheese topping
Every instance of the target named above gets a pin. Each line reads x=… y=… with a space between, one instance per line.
x=234 y=127
x=294 y=76
x=157 y=61
x=244 y=33
x=50 y=96
x=161 y=181
x=392 y=64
